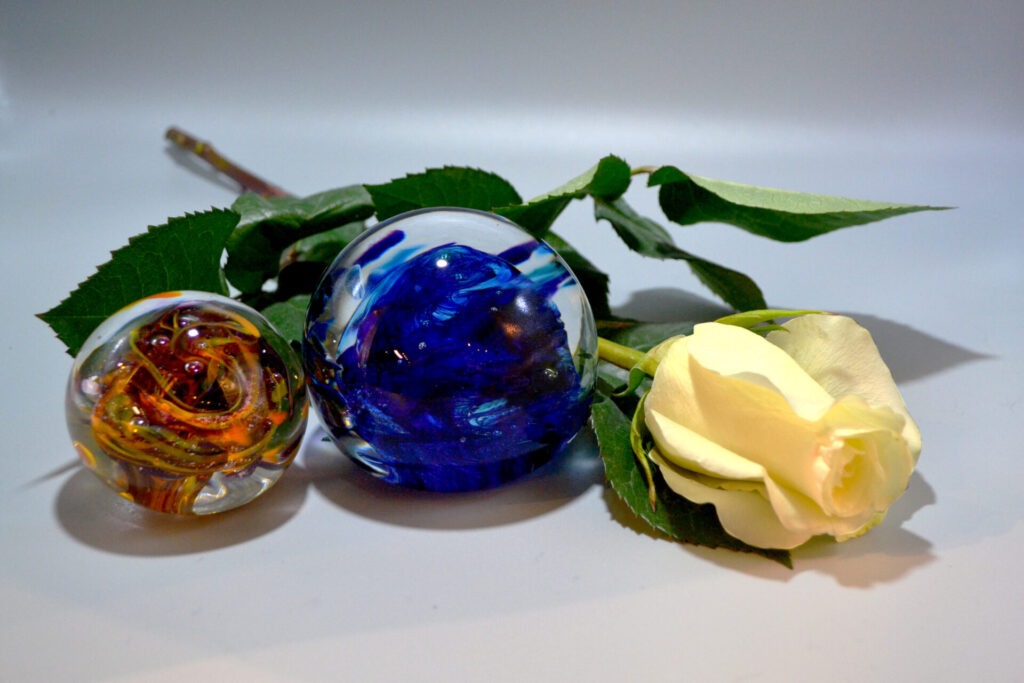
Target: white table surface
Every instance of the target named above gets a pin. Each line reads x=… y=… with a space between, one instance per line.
x=333 y=577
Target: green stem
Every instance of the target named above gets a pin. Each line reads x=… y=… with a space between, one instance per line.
x=617 y=354
x=205 y=151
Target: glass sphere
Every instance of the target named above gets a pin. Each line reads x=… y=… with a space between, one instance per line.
x=187 y=403
x=449 y=350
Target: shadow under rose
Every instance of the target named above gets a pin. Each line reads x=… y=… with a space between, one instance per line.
x=665 y=304
x=349 y=486
x=94 y=515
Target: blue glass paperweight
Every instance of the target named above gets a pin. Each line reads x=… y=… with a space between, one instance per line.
x=449 y=350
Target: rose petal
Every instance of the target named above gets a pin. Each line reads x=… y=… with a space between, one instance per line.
x=736 y=352
x=722 y=350
x=877 y=431
x=751 y=421
x=745 y=514
x=749 y=418
x=692 y=451
x=875 y=520
x=841 y=356
x=672 y=392
x=800 y=514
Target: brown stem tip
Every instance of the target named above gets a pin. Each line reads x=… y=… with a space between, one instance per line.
x=249 y=182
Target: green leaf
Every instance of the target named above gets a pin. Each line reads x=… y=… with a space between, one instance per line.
x=303 y=263
x=289 y=317
x=322 y=247
x=537 y=216
x=647 y=238
x=608 y=179
x=182 y=254
x=672 y=515
x=777 y=214
x=469 y=188
x=268 y=225
x=734 y=288
x=593 y=280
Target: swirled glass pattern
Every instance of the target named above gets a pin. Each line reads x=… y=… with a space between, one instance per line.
x=188 y=403
x=449 y=350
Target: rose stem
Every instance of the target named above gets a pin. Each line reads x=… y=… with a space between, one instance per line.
x=206 y=152
x=617 y=354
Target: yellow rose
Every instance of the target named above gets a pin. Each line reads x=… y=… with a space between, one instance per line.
x=789 y=436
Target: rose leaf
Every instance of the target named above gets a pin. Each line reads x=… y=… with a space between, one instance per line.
x=468 y=188
x=608 y=179
x=269 y=224
x=777 y=214
x=647 y=238
x=182 y=254
x=289 y=317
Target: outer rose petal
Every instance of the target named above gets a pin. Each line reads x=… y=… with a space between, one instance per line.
x=745 y=514
x=732 y=351
x=688 y=449
x=841 y=356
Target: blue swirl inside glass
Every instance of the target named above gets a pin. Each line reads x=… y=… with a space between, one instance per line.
x=447 y=367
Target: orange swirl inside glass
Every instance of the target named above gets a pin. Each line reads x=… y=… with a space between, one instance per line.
x=188 y=403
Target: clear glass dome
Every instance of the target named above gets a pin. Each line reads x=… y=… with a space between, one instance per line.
x=187 y=403
x=447 y=349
